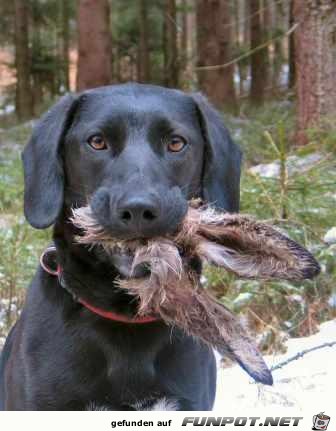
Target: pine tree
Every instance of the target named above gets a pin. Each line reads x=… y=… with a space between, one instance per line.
x=94 y=44
x=315 y=55
x=214 y=44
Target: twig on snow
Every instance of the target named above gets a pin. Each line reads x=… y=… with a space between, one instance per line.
x=302 y=353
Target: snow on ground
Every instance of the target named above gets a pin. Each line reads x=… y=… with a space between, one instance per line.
x=295 y=164
x=305 y=382
x=330 y=236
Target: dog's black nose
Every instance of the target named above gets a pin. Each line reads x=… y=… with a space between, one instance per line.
x=138 y=212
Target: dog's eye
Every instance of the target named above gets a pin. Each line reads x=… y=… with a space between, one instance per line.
x=97 y=142
x=176 y=143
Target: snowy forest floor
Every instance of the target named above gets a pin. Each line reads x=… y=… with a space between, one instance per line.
x=304 y=382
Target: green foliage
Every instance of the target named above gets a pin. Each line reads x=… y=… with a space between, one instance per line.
x=47 y=73
x=324 y=135
x=249 y=130
x=125 y=33
x=20 y=244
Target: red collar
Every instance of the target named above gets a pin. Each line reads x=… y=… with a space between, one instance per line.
x=57 y=272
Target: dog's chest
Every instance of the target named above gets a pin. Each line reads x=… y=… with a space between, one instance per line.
x=129 y=375
x=132 y=369
x=132 y=383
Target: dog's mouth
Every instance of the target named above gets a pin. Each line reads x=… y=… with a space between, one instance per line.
x=93 y=233
x=140 y=216
x=118 y=251
x=123 y=260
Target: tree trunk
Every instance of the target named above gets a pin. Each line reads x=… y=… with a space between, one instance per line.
x=143 y=54
x=238 y=43
x=116 y=62
x=188 y=45
x=267 y=35
x=23 y=99
x=171 y=54
x=247 y=22
x=244 y=65
x=38 y=80
x=183 y=49
x=278 y=55
x=291 y=53
x=259 y=57
x=214 y=44
x=65 y=43
x=315 y=51
x=94 y=44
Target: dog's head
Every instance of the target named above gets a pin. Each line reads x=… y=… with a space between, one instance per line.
x=136 y=153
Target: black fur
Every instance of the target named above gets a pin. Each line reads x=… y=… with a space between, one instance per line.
x=60 y=356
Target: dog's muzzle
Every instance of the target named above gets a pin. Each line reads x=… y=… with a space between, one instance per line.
x=139 y=214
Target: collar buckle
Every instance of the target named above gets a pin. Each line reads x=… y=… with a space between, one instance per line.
x=48 y=261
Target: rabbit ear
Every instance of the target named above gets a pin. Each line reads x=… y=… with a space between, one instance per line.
x=253 y=250
x=239 y=347
x=226 y=334
x=243 y=350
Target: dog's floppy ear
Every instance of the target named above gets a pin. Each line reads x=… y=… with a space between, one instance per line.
x=221 y=172
x=43 y=171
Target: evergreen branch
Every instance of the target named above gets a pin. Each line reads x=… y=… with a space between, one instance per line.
x=247 y=54
x=245 y=19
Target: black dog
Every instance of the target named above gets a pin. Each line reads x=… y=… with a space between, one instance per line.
x=137 y=153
